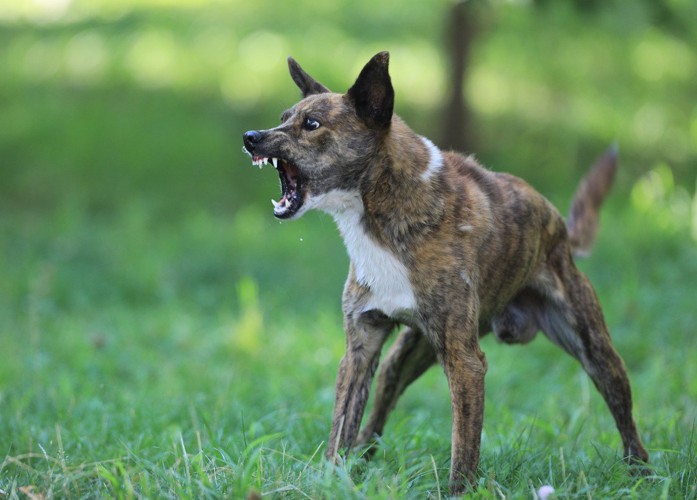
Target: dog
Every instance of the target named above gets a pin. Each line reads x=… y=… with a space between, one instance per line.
x=444 y=247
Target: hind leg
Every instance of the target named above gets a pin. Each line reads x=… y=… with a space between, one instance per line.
x=573 y=319
x=408 y=358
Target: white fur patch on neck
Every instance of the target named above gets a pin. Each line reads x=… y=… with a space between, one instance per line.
x=435 y=160
x=375 y=267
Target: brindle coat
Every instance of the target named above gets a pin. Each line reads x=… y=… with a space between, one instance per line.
x=445 y=247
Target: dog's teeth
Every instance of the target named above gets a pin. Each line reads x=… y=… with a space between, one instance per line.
x=266 y=161
x=274 y=161
x=275 y=203
x=286 y=203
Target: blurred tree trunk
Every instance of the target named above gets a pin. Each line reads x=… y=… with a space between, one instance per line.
x=461 y=30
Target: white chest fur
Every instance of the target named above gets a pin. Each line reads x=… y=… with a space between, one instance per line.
x=376 y=267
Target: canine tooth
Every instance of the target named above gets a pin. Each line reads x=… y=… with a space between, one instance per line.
x=286 y=203
x=275 y=203
x=275 y=162
x=266 y=161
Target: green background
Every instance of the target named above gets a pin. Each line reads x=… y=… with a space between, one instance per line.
x=162 y=335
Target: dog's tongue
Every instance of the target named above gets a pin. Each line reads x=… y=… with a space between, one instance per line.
x=292 y=179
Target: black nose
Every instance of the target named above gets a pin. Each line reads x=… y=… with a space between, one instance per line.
x=251 y=138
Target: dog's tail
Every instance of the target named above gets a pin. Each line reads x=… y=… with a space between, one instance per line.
x=584 y=214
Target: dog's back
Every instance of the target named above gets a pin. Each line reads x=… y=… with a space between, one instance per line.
x=508 y=229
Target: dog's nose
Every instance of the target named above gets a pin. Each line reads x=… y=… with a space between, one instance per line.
x=251 y=138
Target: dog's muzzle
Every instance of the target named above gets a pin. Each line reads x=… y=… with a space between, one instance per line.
x=291 y=180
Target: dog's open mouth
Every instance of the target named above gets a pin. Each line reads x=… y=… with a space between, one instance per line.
x=291 y=186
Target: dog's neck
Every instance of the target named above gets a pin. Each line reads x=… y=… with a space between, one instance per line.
x=380 y=225
x=407 y=190
x=402 y=193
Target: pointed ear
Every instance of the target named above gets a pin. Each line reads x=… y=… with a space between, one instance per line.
x=372 y=94
x=305 y=82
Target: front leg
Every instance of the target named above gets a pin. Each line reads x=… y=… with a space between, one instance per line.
x=408 y=358
x=465 y=370
x=457 y=345
x=365 y=335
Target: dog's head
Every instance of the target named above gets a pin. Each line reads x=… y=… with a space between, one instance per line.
x=327 y=140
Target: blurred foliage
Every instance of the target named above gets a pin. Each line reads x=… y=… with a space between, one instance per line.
x=102 y=101
x=121 y=121
x=121 y=124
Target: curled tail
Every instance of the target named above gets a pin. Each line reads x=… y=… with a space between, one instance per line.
x=584 y=215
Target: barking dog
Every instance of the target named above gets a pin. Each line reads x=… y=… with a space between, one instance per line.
x=444 y=247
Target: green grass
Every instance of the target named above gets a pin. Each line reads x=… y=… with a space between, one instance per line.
x=196 y=357
x=162 y=336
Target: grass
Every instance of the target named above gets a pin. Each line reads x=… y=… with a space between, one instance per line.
x=196 y=358
x=162 y=336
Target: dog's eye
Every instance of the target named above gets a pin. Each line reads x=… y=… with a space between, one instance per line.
x=310 y=124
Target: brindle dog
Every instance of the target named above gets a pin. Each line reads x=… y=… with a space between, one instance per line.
x=443 y=246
